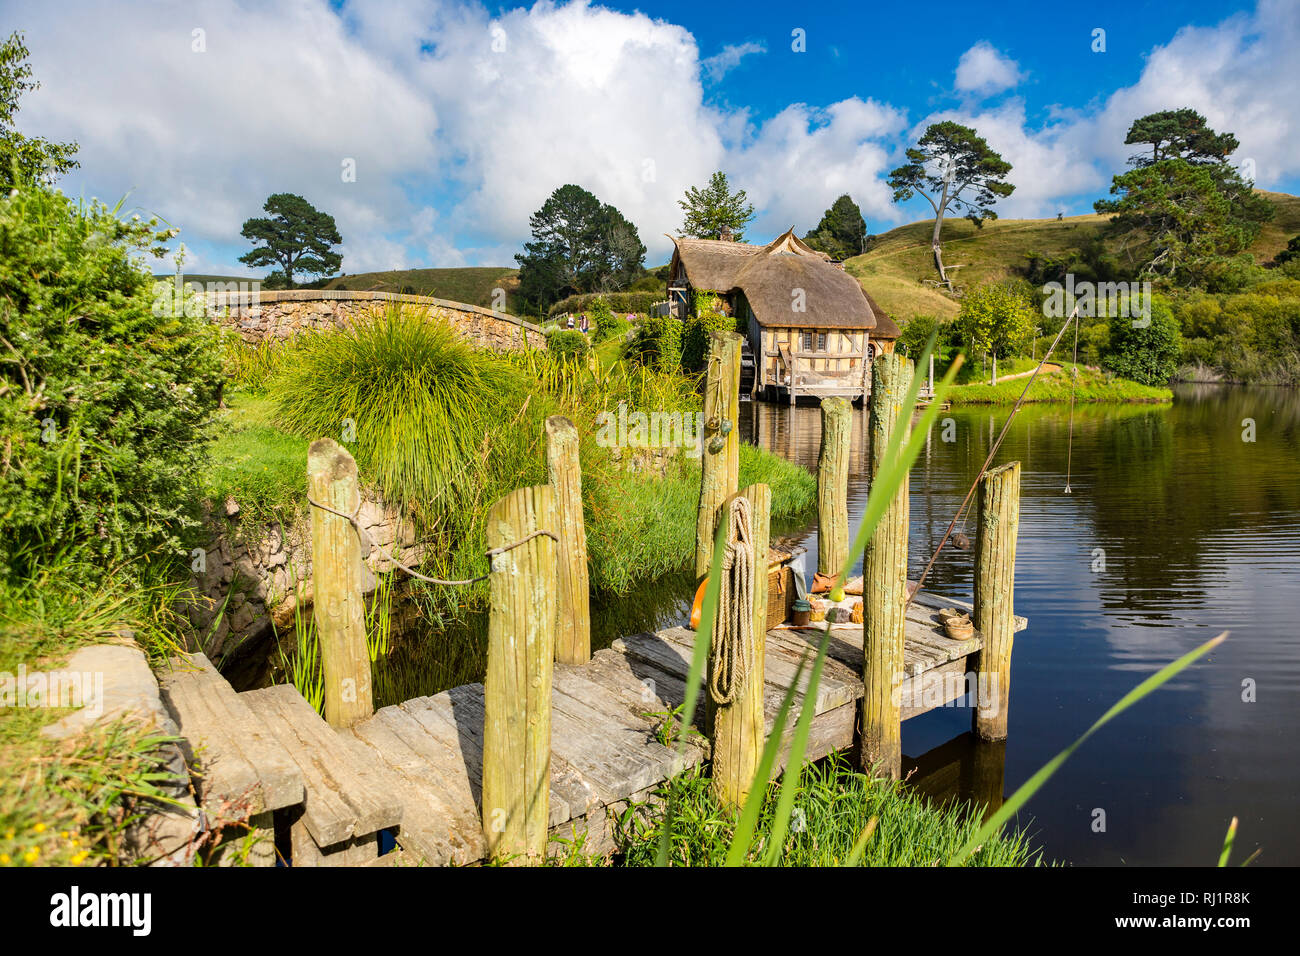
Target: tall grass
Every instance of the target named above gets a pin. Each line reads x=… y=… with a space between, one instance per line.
x=827 y=816
x=439 y=428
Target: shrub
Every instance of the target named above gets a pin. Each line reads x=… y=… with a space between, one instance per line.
x=658 y=343
x=617 y=301
x=106 y=390
x=917 y=333
x=603 y=317
x=1147 y=355
x=695 y=337
x=569 y=344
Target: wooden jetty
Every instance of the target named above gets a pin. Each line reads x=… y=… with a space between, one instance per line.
x=559 y=741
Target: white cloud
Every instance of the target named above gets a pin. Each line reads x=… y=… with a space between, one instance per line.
x=461 y=124
x=720 y=64
x=983 y=70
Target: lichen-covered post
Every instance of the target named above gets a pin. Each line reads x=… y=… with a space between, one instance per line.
x=720 y=455
x=833 y=486
x=997 y=525
x=517 y=689
x=337 y=579
x=884 y=583
x=573 y=601
x=737 y=727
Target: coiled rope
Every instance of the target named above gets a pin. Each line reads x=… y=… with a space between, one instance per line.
x=731 y=650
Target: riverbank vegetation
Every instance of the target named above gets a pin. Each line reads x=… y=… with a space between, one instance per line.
x=832 y=809
x=441 y=430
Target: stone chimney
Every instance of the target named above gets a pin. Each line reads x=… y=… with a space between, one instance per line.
x=725 y=234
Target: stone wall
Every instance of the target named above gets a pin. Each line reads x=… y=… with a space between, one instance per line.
x=255 y=577
x=277 y=316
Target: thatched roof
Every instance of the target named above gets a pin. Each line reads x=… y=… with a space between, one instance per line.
x=886 y=328
x=769 y=275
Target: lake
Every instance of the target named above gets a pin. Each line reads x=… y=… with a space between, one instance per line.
x=1176 y=528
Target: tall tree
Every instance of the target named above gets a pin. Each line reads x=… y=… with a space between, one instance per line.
x=298 y=239
x=842 y=231
x=22 y=157
x=1178 y=134
x=714 y=209
x=948 y=160
x=1184 y=211
x=578 y=245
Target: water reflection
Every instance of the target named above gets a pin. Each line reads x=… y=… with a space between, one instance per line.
x=1177 y=527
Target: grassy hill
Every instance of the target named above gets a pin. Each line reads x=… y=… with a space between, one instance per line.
x=895 y=269
x=474 y=284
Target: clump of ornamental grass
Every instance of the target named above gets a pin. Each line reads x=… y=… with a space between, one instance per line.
x=438 y=427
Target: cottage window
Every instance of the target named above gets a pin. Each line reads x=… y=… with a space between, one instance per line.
x=807 y=342
x=821 y=341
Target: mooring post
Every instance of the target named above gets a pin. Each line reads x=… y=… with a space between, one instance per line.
x=997 y=524
x=517 y=689
x=573 y=623
x=884 y=585
x=833 y=485
x=720 y=455
x=337 y=580
x=737 y=727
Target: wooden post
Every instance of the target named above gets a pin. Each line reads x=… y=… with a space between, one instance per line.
x=338 y=607
x=720 y=470
x=884 y=584
x=997 y=524
x=573 y=622
x=517 y=689
x=833 y=485
x=737 y=727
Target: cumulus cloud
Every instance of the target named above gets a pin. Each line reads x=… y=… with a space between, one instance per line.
x=460 y=122
x=720 y=64
x=983 y=70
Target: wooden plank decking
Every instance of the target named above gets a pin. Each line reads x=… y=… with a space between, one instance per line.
x=606 y=715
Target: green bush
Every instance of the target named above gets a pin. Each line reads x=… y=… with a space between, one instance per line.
x=602 y=316
x=1149 y=354
x=567 y=343
x=658 y=343
x=618 y=301
x=106 y=389
x=695 y=337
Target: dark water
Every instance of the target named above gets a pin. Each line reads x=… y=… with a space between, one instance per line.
x=1200 y=532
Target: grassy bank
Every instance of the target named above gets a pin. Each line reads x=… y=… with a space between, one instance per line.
x=446 y=453
x=832 y=808
x=1092 y=386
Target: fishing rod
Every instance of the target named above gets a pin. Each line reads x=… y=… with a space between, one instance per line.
x=992 y=452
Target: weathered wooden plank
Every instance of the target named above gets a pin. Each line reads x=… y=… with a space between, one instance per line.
x=243 y=765
x=440 y=821
x=933 y=688
x=346 y=794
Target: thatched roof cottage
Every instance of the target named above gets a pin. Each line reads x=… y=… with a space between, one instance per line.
x=812 y=329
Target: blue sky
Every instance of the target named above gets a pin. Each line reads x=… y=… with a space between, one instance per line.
x=459 y=118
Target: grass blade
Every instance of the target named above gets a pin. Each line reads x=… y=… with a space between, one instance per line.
x=1032 y=785
x=798 y=746
x=1227 y=842
x=708 y=609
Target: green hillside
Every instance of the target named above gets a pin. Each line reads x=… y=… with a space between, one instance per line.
x=473 y=285
x=897 y=267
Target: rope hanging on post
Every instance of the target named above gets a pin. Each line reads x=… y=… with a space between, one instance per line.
x=731 y=650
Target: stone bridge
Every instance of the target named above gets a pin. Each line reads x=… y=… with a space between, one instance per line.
x=275 y=316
